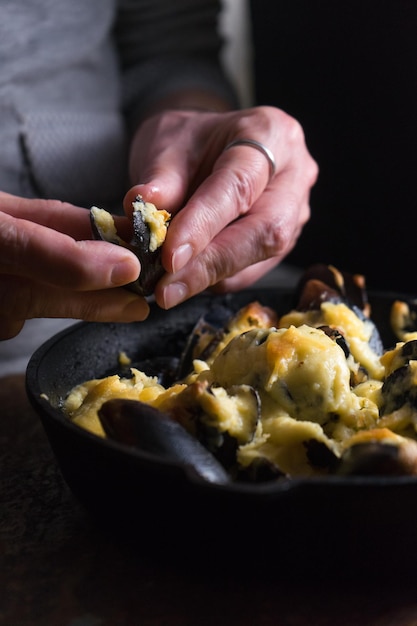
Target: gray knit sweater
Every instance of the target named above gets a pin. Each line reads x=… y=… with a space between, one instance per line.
x=72 y=75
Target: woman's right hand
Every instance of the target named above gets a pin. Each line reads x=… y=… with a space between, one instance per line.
x=50 y=267
x=234 y=216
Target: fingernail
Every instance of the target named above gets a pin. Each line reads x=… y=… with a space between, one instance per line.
x=124 y=272
x=136 y=310
x=181 y=257
x=174 y=294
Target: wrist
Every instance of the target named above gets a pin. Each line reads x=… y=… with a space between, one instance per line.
x=190 y=100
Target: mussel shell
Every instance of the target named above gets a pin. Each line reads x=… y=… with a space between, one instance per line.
x=144 y=427
x=320 y=456
x=399 y=388
x=337 y=337
x=261 y=470
x=151 y=265
x=322 y=282
x=204 y=337
x=409 y=351
x=374 y=458
x=375 y=340
x=150 y=261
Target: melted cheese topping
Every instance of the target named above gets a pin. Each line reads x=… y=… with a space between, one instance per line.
x=275 y=389
x=105 y=222
x=357 y=332
x=85 y=400
x=157 y=220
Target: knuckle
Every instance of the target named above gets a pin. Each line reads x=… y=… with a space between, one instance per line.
x=295 y=131
x=214 y=265
x=273 y=241
x=12 y=240
x=51 y=207
x=279 y=237
x=312 y=171
x=243 y=189
x=263 y=118
x=89 y=311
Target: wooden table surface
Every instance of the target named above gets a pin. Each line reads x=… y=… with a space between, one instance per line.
x=58 y=568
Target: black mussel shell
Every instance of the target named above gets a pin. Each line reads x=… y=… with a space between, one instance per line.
x=204 y=337
x=399 y=388
x=144 y=427
x=150 y=261
x=409 y=351
x=320 y=456
x=261 y=470
x=322 y=282
x=151 y=265
x=337 y=337
x=375 y=458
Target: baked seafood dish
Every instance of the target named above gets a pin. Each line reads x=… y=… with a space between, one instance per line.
x=265 y=394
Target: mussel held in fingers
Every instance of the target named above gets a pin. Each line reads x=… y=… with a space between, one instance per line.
x=149 y=231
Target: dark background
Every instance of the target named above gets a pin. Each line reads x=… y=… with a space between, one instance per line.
x=348 y=72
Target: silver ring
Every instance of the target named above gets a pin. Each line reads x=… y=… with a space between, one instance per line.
x=259 y=146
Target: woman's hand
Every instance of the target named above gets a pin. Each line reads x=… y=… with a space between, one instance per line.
x=232 y=222
x=49 y=267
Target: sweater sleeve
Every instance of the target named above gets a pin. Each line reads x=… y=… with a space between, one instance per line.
x=165 y=47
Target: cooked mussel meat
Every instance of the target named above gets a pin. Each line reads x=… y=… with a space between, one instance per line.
x=149 y=232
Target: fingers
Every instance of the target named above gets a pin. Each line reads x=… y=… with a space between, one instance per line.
x=245 y=277
x=267 y=232
x=30 y=250
x=238 y=179
x=231 y=222
x=165 y=157
x=28 y=299
x=9 y=328
x=59 y=216
x=45 y=273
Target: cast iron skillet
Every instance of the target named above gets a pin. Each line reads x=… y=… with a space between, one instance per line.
x=332 y=523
